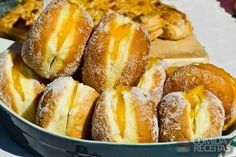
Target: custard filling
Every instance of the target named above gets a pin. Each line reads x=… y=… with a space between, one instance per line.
x=170 y=70
x=73 y=96
x=121 y=34
x=62 y=37
x=152 y=62
x=146 y=80
x=121 y=110
x=72 y=101
x=195 y=97
x=118 y=33
x=16 y=76
x=68 y=20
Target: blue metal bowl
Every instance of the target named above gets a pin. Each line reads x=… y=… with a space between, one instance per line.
x=43 y=143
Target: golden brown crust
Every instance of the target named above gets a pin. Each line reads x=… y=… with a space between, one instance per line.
x=50 y=49
x=126 y=116
x=153 y=79
x=146 y=116
x=189 y=77
x=116 y=53
x=80 y=115
x=66 y=108
x=180 y=120
x=216 y=114
x=174 y=121
x=45 y=109
x=20 y=87
x=231 y=81
x=54 y=105
x=100 y=126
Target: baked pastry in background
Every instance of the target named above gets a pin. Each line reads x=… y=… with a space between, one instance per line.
x=116 y=53
x=20 y=87
x=214 y=79
x=125 y=115
x=153 y=79
x=187 y=116
x=159 y=19
x=55 y=44
x=66 y=108
x=15 y=23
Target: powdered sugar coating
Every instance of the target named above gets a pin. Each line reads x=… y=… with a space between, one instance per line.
x=49 y=100
x=20 y=86
x=182 y=121
x=146 y=114
x=172 y=110
x=59 y=84
x=216 y=111
x=3 y=61
x=101 y=129
x=153 y=80
x=42 y=52
x=141 y=119
x=131 y=57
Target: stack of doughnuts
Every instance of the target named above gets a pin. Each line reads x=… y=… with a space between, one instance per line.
x=104 y=86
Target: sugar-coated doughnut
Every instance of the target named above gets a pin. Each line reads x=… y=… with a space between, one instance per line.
x=153 y=79
x=116 y=53
x=188 y=116
x=55 y=44
x=20 y=87
x=125 y=115
x=66 y=108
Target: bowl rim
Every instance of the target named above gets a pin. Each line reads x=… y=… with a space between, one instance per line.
x=91 y=142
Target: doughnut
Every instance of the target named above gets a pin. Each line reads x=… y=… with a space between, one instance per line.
x=188 y=116
x=55 y=44
x=66 y=108
x=125 y=115
x=214 y=79
x=153 y=79
x=20 y=87
x=116 y=53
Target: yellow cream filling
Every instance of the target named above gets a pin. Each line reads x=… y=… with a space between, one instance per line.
x=121 y=110
x=146 y=80
x=118 y=33
x=195 y=97
x=68 y=21
x=16 y=77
